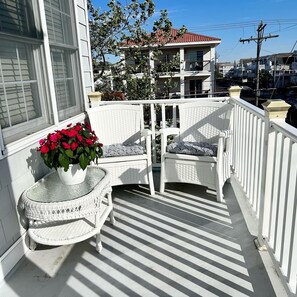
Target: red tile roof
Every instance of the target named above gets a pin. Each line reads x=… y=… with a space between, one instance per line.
x=191 y=37
x=187 y=37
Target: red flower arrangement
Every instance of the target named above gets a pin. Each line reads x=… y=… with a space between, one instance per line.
x=77 y=144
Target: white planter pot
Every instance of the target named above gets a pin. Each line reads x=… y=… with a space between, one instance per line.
x=73 y=176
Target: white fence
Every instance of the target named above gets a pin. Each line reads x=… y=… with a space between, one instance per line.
x=264 y=164
x=248 y=145
x=279 y=226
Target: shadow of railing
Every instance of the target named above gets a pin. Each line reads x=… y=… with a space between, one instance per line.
x=182 y=243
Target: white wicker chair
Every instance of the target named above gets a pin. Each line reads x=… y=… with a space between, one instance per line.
x=123 y=124
x=199 y=122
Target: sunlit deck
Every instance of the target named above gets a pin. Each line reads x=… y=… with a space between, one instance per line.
x=182 y=243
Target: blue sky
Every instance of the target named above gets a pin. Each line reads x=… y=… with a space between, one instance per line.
x=231 y=20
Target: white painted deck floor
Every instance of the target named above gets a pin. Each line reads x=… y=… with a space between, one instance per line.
x=182 y=243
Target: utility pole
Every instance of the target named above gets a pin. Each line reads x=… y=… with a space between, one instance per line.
x=259 y=40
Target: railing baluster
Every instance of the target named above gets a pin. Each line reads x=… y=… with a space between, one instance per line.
x=290 y=215
x=153 y=129
x=163 y=116
x=253 y=157
x=174 y=122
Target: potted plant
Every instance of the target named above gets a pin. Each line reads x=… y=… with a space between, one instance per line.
x=70 y=151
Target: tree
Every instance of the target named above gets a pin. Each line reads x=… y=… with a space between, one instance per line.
x=266 y=79
x=122 y=31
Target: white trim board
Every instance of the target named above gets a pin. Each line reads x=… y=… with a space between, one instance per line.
x=12 y=256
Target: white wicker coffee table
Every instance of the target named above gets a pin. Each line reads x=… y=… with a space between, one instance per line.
x=60 y=215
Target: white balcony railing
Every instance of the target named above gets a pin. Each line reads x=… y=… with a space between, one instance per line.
x=264 y=165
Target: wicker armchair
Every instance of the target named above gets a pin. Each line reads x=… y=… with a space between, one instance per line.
x=200 y=153
x=127 y=145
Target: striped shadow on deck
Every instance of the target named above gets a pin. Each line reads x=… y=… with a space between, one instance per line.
x=182 y=243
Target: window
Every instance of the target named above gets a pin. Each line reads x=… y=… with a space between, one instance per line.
x=64 y=56
x=24 y=89
x=21 y=84
x=195 y=59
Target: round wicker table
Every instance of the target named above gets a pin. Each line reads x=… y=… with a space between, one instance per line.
x=60 y=214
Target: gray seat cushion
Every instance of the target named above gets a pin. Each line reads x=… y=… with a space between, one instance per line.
x=118 y=150
x=192 y=148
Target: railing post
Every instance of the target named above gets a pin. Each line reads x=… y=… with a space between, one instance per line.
x=274 y=109
x=95 y=98
x=234 y=92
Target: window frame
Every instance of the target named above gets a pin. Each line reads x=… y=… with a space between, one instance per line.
x=49 y=108
x=74 y=61
x=37 y=57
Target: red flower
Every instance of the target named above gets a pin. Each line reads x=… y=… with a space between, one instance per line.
x=53 y=137
x=53 y=146
x=64 y=132
x=44 y=149
x=89 y=141
x=59 y=135
x=75 y=137
x=100 y=144
x=74 y=146
x=72 y=133
x=66 y=145
x=77 y=127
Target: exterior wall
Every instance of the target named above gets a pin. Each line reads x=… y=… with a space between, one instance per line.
x=206 y=75
x=22 y=168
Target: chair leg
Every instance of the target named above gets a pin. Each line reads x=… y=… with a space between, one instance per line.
x=220 y=194
x=219 y=188
x=162 y=173
x=151 y=180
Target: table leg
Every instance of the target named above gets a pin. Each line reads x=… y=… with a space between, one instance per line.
x=32 y=244
x=111 y=216
x=98 y=243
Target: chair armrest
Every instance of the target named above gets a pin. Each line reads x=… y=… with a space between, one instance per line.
x=146 y=132
x=169 y=131
x=226 y=134
x=164 y=134
x=224 y=144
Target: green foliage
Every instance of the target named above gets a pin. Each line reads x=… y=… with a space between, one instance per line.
x=77 y=144
x=122 y=31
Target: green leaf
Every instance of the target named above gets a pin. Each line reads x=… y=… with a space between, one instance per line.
x=92 y=155
x=69 y=153
x=79 y=150
x=83 y=161
x=64 y=161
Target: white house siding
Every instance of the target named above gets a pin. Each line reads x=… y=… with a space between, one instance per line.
x=21 y=169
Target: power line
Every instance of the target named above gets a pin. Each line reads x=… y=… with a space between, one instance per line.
x=259 y=40
x=226 y=26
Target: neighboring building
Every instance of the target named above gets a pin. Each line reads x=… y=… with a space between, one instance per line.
x=225 y=68
x=45 y=76
x=281 y=66
x=197 y=64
